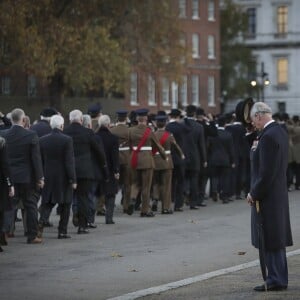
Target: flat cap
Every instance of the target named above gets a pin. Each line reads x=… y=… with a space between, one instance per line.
x=122 y=112
x=142 y=112
x=175 y=112
x=161 y=117
x=95 y=108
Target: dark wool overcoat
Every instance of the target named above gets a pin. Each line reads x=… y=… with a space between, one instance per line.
x=59 y=167
x=268 y=185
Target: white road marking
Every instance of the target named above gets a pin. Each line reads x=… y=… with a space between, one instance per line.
x=188 y=281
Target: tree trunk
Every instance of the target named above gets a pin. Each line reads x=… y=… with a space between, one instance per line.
x=56 y=91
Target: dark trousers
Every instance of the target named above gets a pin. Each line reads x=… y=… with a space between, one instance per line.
x=191 y=177
x=203 y=178
x=177 y=185
x=29 y=197
x=82 y=196
x=110 y=206
x=277 y=267
x=220 y=181
x=64 y=209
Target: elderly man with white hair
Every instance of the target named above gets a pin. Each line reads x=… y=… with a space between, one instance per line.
x=59 y=169
x=87 y=152
x=268 y=196
x=111 y=149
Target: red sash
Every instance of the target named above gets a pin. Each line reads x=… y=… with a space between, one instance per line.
x=162 y=141
x=134 y=158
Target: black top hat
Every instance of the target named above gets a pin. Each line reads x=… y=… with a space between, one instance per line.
x=161 y=118
x=48 y=112
x=175 y=112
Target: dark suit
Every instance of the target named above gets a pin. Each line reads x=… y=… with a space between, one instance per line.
x=85 y=146
x=26 y=169
x=59 y=170
x=195 y=156
x=269 y=187
x=42 y=128
x=179 y=131
x=220 y=160
x=238 y=177
x=110 y=187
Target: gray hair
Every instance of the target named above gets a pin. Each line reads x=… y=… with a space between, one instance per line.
x=260 y=108
x=86 y=121
x=56 y=121
x=17 y=115
x=104 y=120
x=75 y=116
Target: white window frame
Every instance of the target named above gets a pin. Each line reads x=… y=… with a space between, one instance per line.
x=165 y=91
x=182 y=8
x=151 y=91
x=195 y=90
x=31 y=86
x=174 y=94
x=211 y=10
x=134 y=88
x=211 y=47
x=6 y=81
x=282 y=27
x=183 y=90
x=211 y=91
x=195 y=45
x=195 y=10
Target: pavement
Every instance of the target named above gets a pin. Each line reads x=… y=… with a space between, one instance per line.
x=191 y=255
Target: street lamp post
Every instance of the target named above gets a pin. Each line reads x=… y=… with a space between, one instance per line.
x=263 y=81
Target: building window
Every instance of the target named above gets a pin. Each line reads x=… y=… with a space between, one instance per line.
x=195 y=9
x=5 y=85
x=211 y=47
x=195 y=90
x=195 y=45
x=251 y=14
x=133 y=89
x=151 y=90
x=31 y=86
x=182 y=8
x=282 y=20
x=211 y=91
x=211 y=10
x=183 y=91
x=174 y=89
x=282 y=73
x=165 y=92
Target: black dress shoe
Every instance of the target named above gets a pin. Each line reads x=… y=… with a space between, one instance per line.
x=82 y=231
x=148 y=214
x=91 y=225
x=194 y=207
x=1 y=250
x=202 y=204
x=178 y=209
x=63 y=236
x=75 y=220
x=47 y=224
x=101 y=212
x=130 y=209
x=262 y=288
x=109 y=222
x=167 y=212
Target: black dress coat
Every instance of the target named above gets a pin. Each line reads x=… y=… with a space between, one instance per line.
x=5 y=181
x=42 y=128
x=86 y=150
x=59 y=167
x=269 y=187
x=24 y=155
x=111 y=149
x=195 y=151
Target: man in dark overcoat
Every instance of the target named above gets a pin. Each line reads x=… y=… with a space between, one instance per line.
x=111 y=149
x=59 y=170
x=195 y=156
x=85 y=148
x=25 y=163
x=269 y=187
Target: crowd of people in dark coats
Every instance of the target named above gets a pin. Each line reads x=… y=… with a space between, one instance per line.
x=158 y=161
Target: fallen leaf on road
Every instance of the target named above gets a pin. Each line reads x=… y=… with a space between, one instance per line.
x=116 y=254
x=241 y=253
x=132 y=270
